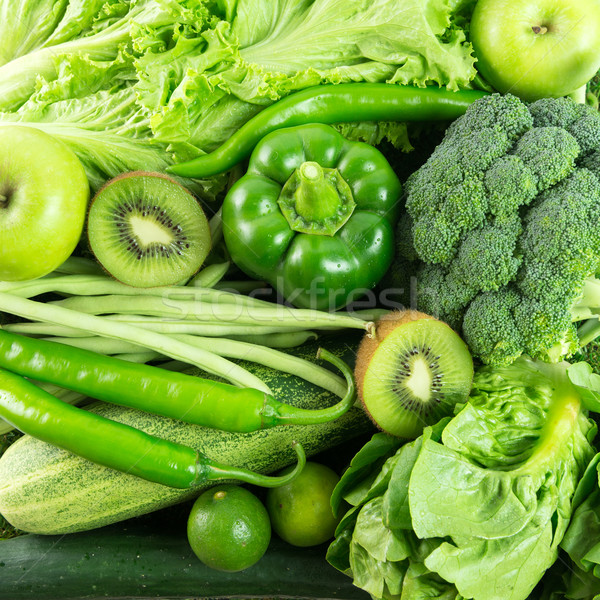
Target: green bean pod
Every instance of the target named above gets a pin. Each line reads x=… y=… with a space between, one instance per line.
x=339 y=103
x=167 y=393
x=115 y=445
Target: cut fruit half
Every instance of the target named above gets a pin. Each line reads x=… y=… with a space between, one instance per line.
x=146 y=230
x=412 y=373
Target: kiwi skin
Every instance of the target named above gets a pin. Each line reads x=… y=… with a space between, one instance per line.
x=156 y=175
x=129 y=174
x=369 y=345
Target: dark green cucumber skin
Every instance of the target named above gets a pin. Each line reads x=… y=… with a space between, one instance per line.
x=138 y=560
x=46 y=490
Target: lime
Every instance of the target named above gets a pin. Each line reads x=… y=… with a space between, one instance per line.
x=228 y=528
x=301 y=511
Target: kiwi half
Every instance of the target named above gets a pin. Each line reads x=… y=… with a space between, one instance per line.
x=412 y=372
x=146 y=230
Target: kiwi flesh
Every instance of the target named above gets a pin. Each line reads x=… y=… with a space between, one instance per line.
x=146 y=230
x=412 y=372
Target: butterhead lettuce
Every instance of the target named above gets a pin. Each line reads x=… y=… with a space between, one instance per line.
x=479 y=504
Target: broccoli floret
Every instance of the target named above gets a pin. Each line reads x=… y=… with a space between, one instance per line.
x=494 y=268
x=431 y=284
x=509 y=184
x=560 y=241
x=490 y=327
x=543 y=327
x=404 y=238
x=444 y=203
x=433 y=240
x=553 y=112
x=507 y=113
x=549 y=152
x=586 y=129
x=506 y=220
x=480 y=149
x=441 y=295
x=592 y=163
x=581 y=122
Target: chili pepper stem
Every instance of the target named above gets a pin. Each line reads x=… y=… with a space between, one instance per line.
x=284 y=413
x=212 y=471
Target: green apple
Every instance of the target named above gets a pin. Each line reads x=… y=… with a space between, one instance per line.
x=537 y=48
x=44 y=193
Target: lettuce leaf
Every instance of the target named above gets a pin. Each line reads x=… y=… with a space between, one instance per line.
x=131 y=84
x=478 y=505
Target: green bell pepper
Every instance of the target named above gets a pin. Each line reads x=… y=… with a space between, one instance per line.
x=313 y=216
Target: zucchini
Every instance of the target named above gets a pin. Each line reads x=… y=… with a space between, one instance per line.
x=142 y=560
x=47 y=490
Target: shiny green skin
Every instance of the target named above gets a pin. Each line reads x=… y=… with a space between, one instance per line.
x=44 y=195
x=229 y=528
x=332 y=103
x=313 y=270
x=300 y=511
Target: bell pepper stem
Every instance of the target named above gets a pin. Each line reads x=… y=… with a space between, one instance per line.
x=316 y=198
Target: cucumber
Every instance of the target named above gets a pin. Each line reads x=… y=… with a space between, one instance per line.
x=146 y=560
x=47 y=490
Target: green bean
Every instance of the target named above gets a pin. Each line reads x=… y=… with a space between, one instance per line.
x=76 y=265
x=209 y=276
x=274 y=359
x=285 y=339
x=96 y=285
x=241 y=287
x=207 y=361
x=216 y=228
x=200 y=311
x=156 y=324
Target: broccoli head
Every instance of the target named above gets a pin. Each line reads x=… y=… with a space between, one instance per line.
x=505 y=220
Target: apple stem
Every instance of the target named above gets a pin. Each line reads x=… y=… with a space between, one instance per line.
x=3 y=200
x=539 y=29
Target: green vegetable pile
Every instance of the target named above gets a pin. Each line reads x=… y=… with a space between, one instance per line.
x=251 y=193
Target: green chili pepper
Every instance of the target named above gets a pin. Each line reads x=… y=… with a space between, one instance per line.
x=167 y=393
x=314 y=216
x=341 y=103
x=39 y=414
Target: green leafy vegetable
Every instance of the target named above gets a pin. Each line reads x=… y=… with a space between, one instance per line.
x=478 y=505
x=132 y=84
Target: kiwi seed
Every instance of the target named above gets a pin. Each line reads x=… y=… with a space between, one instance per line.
x=146 y=230
x=412 y=372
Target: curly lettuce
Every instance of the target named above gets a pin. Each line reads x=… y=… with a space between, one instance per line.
x=131 y=84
